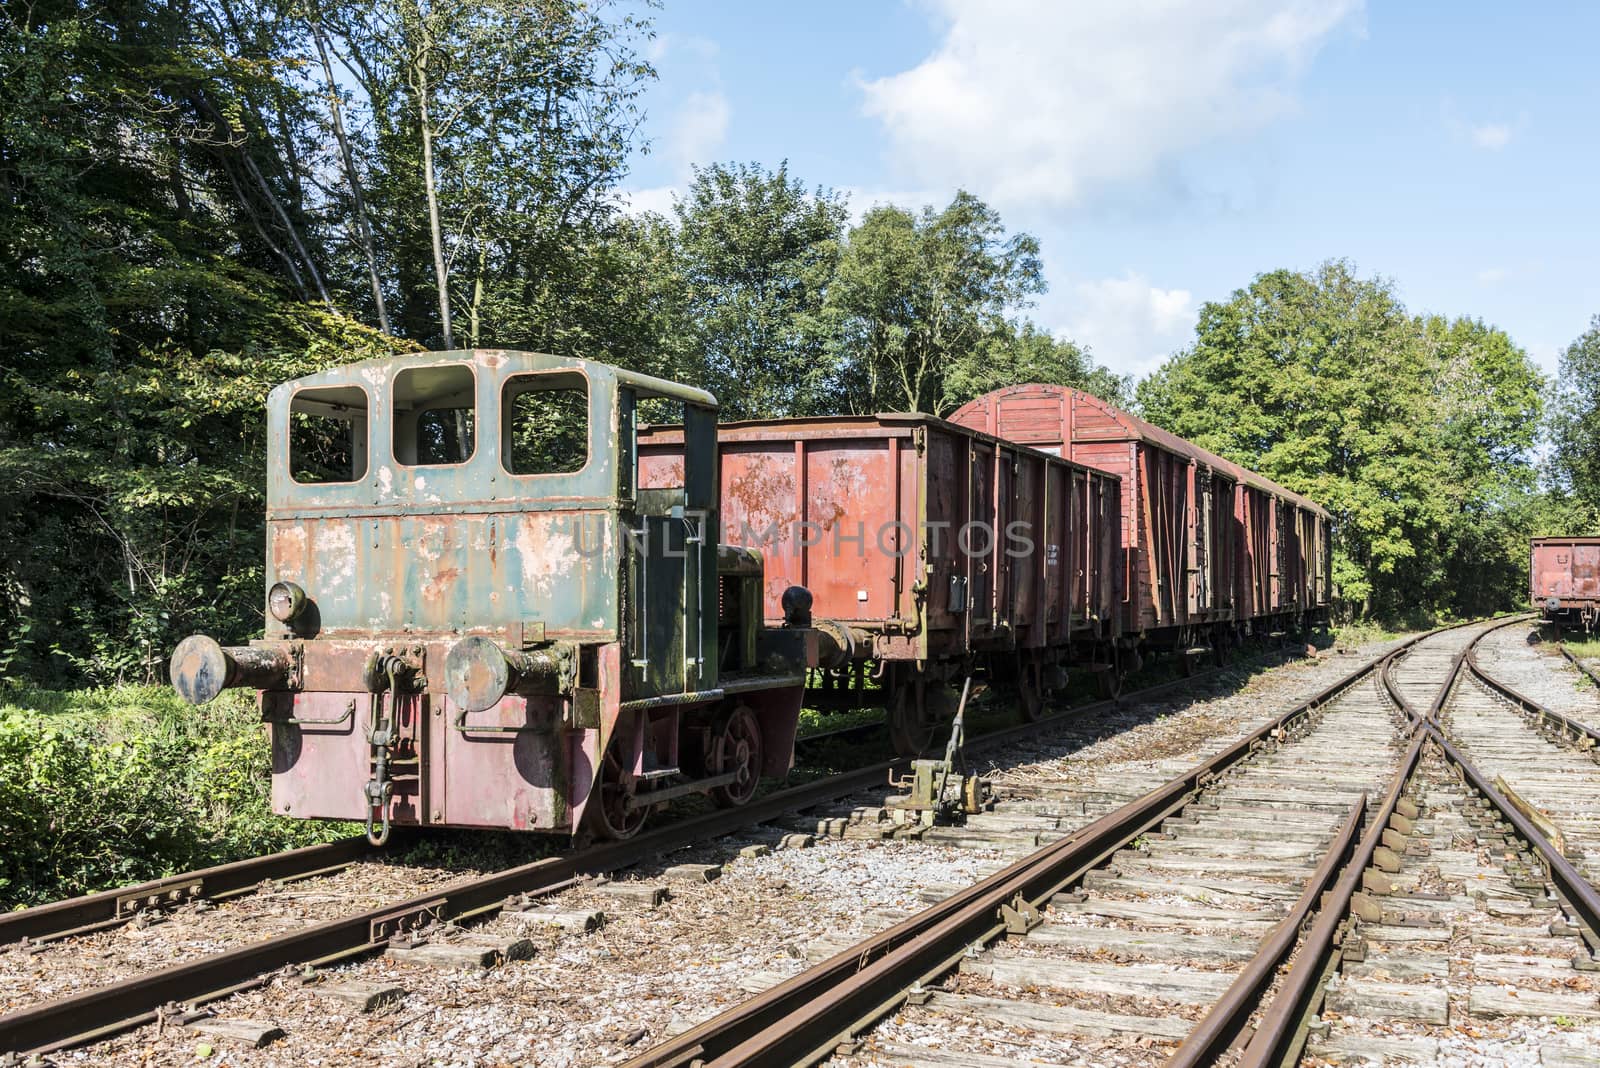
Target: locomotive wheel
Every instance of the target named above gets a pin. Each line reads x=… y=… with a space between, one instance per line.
x=607 y=816
x=736 y=747
x=918 y=708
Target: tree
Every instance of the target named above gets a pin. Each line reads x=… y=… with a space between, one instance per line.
x=1416 y=434
x=755 y=254
x=495 y=135
x=915 y=295
x=1575 y=419
x=1489 y=403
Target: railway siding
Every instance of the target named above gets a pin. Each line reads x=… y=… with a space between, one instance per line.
x=1559 y=778
x=1470 y=961
x=764 y=919
x=1455 y=941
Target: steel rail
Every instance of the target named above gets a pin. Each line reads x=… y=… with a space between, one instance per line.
x=135 y=1000
x=1592 y=674
x=801 y=1020
x=1280 y=1033
x=1228 y=1018
x=138 y=999
x=109 y=908
x=1229 y=1014
x=1280 y=1029
x=1577 y=730
x=1278 y=1038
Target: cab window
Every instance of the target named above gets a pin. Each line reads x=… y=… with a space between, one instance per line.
x=435 y=420
x=544 y=421
x=328 y=435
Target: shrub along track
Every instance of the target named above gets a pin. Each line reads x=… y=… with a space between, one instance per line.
x=140 y=998
x=1179 y=938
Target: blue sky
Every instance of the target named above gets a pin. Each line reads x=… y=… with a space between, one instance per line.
x=1164 y=153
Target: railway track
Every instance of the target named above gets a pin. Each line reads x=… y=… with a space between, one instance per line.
x=1157 y=933
x=1582 y=665
x=184 y=989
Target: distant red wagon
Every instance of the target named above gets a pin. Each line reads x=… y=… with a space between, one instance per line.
x=1564 y=580
x=1215 y=551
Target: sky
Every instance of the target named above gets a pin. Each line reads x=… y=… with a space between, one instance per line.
x=1165 y=152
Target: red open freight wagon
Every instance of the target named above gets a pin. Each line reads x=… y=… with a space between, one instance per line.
x=1214 y=550
x=940 y=549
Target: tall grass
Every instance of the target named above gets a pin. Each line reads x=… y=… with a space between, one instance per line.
x=104 y=787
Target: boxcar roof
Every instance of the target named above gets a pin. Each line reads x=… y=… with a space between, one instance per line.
x=1132 y=428
x=1587 y=540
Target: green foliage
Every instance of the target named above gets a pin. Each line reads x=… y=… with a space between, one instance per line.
x=755 y=254
x=1417 y=434
x=112 y=786
x=917 y=295
x=1575 y=425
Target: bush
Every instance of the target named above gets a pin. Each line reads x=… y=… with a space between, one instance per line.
x=105 y=787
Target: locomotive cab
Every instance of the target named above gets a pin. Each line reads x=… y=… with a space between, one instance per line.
x=477 y=617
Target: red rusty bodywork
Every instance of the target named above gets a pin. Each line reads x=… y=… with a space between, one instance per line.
x=1564 y=579
x=1208 y=542
x=883 y=519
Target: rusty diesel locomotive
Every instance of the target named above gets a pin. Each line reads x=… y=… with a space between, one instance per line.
x=1564 y=581
x=478 y=615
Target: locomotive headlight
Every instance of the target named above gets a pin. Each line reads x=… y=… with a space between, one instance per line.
x=285 y=601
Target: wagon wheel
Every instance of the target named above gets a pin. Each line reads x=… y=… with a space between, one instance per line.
x=607 y=815
x=1109 y=682
x=735 y=745
x=1031 y=697
x=918 y=708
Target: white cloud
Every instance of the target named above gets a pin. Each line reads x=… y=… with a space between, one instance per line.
x=669 y=46
x=1492 y=135
x=639 y=201
x=698 y=129
x=1492 y=276
x=1129 y=324
x=1025 y=101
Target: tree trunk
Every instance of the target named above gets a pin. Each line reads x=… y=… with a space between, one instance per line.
x=475 y=312
x=363 y=226
x=420 y=82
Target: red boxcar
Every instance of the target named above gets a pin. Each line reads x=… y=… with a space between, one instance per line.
x=941 y=550
x=1564 y=580
x=1213 y=550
